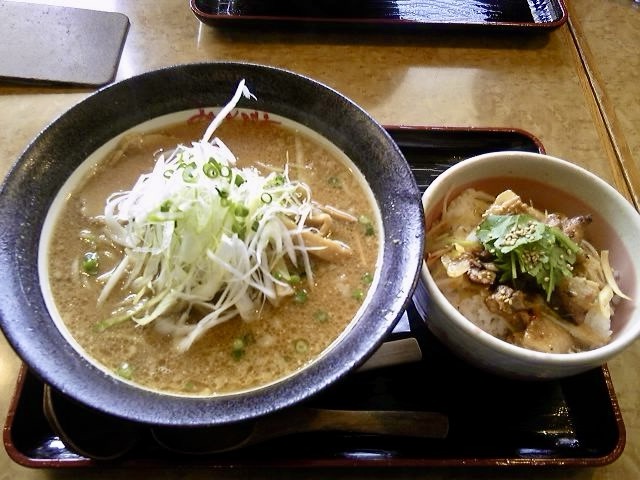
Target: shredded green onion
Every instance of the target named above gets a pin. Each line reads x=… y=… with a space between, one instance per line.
x=183 y=230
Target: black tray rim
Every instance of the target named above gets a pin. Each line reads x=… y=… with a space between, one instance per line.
x=502 y=462
x=213 y=19
x=25 y=460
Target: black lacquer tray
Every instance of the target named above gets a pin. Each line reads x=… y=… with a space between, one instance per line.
x=386 y=14
x=575 y=422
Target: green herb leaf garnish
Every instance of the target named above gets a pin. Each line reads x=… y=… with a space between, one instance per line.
x=523 y=245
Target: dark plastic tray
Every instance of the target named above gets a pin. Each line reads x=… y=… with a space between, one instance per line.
x=386 y=14
x=493 y=421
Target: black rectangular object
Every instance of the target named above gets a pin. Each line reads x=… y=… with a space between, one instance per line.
x=386 y=14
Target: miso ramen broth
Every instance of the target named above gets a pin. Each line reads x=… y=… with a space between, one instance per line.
x=238 y=354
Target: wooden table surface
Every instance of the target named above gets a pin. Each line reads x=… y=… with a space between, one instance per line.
x=576 y=88
x=607 y=35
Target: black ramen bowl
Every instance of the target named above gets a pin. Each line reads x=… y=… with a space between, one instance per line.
x=37 y=176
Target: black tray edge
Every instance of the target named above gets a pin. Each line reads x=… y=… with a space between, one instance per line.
x=229 y=20
x=487 y=130
x=23 y=459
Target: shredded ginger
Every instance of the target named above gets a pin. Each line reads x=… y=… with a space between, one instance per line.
x=201 y=233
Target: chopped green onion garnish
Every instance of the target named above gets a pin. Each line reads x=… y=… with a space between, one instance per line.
x=301 y=346
x=211 y=169
x=239 y=228
x=358 y=294
x=189 y=386
x=367 y=278
x=166 y=206
x=125 y=371
x=90 y=263
x=241 y=211
x=320 y=316
x=366 y=223
x=238 y=344
x=237 y=354
x=300 y=296
x=238 y=348
x=189 y=174
x=334 y=181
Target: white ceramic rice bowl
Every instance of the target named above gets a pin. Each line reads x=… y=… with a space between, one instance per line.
x=557 y=185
